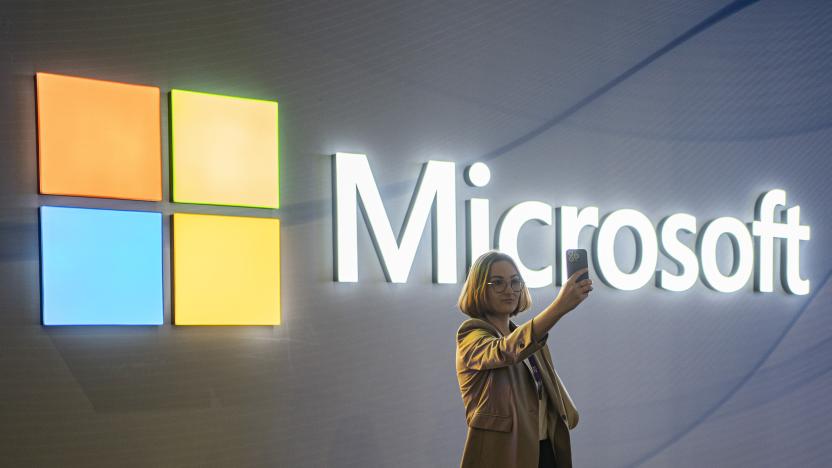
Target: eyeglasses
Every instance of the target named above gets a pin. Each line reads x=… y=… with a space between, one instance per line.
x=500 y=285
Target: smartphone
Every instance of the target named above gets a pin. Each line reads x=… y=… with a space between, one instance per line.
x=576 y=260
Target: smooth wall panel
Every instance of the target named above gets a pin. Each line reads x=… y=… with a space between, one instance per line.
x=661 y=107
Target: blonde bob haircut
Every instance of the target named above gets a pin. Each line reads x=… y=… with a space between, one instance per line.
x=473 y=301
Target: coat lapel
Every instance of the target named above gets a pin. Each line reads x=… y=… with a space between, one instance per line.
x=565 y=406
x=549 y=383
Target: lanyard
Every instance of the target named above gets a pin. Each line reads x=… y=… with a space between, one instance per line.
x=534 y=368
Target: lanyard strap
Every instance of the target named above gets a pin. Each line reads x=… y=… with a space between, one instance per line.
x=538 y=379
x=534 y=368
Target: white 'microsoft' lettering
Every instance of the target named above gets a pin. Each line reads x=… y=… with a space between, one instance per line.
x=743 y=254
x=646 y=249
x=677 y=251
x=436 y=191
x=354 y=180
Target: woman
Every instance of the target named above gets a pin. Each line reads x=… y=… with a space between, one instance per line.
x=518 y=412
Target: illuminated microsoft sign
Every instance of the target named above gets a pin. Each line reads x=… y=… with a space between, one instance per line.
x=436 y=191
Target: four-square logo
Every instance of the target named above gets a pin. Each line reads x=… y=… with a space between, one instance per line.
x=105 y=267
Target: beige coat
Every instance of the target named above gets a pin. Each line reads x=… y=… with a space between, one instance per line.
x=501 y=405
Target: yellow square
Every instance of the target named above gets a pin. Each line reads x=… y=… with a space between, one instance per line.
x=224 y=150
x=226 y=270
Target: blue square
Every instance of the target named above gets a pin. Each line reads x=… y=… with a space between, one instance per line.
x=101 y=267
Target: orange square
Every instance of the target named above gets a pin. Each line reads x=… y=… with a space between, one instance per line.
x=98 y=138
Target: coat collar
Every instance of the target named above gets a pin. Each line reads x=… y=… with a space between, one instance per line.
x=486 y=324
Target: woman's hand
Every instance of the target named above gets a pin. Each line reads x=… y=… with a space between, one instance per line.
x=573 y=292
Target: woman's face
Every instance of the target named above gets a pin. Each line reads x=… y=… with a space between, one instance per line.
x=505 y=302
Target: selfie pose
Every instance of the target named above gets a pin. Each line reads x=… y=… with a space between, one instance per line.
x=518 y=412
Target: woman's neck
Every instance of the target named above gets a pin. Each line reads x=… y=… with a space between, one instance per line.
x=500 y=322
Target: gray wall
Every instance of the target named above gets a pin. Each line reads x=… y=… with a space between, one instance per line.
x=665 y=107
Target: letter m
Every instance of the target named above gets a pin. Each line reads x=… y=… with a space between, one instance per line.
x=354 y=181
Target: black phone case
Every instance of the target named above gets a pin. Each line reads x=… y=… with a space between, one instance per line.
x=576 y=260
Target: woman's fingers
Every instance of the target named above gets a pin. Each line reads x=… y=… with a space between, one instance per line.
x=573 y=291
x=574 y=277
x=583 y=285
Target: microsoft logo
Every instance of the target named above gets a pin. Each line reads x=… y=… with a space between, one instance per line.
x=105 y=267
